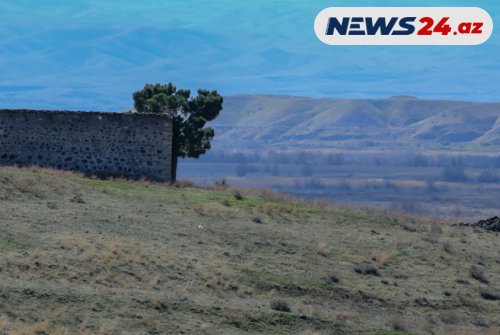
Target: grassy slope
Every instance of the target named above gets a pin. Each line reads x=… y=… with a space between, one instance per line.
x=89 y=256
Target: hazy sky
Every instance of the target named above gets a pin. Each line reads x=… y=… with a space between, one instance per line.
x=92 y=55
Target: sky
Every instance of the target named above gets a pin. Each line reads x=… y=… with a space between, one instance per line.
x=93 y=54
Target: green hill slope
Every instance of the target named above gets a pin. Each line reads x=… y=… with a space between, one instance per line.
x=86 y=256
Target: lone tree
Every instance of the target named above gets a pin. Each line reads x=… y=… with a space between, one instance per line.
x=189 y=116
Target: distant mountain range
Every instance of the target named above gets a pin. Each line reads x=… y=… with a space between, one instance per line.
x=278 y=121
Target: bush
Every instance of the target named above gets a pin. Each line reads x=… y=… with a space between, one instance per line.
x=238 y=196
x=478 y=275
x=367 y=269
x=490 y=295
x=399 y=325
x=183 y=184
x=449 y=317
x=382 y=257
x=280 y=305
x=333 y=278
x=448 y=247
x=321 y=249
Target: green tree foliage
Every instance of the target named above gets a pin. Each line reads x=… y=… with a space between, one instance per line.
x=189 y=115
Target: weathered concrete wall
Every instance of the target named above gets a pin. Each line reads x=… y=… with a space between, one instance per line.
x=102 y=144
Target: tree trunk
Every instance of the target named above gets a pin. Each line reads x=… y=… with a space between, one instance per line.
x=175 y=151
x=173 y=167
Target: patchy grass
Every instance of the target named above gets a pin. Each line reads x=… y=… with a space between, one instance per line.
x=90 y=256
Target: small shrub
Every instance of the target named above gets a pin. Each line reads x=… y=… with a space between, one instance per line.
x=449 y=317
x=490 y=295
x=26 y=185
x=77 y=199
x=280 y=305
x=247 y=266
x=332 y=278
x=398 y=324
x=478 y=275
x=436 y=229
x=238 y=196
x=257 y=220
x=431 y=238
x=408 y=226
x=153 y=281
x=55 y=184
x=199 y=209
x=107 y=327
x=61 y=331
x=237 y=319
x=480 y=322
x=467 y=301
x=382 y=257
x=38 y=328
x=52 y=205
x=344 y=315
x=183 y=184
x=367 y=269
x=316 y=312
x=221 y=184
x=448 y=247
x=320 y=249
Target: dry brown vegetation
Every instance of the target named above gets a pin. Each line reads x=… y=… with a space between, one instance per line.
x=87 y=256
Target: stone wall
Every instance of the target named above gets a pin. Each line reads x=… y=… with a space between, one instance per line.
x=102 y=144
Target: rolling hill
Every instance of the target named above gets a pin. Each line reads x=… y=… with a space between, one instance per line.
x=256 y=121
x=88 y=256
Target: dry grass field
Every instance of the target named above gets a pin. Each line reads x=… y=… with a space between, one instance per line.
x=89 y=256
